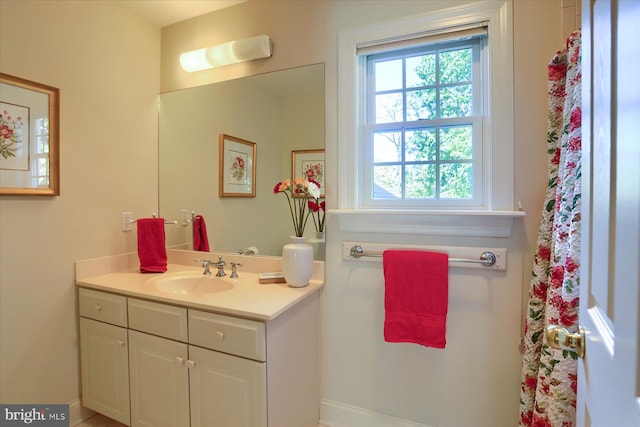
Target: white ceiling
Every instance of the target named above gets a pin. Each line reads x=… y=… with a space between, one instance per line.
x=167 y=12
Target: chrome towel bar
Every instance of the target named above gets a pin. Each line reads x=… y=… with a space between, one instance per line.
x=487 y=259
x=155 y=215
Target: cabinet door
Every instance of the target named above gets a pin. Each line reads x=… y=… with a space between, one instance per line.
x=227 y=391
x=105 y=369
x=159 y=381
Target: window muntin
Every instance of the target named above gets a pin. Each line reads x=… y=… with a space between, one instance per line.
x=40 y=153
x=422 y=136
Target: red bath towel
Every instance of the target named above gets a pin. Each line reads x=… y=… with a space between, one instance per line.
x=200 y=239
x=151 y=245
x=416 y=297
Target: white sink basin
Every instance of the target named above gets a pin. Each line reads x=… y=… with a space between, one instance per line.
x=191 y=283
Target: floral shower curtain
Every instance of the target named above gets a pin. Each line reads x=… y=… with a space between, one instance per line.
x=548 y=389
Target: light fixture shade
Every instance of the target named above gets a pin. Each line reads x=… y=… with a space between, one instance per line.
x=227 y=53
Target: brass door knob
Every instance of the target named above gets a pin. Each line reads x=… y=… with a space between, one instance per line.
x=561 y=339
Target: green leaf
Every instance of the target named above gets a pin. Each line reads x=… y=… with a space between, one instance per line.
x=535 y=337
x=550 y=205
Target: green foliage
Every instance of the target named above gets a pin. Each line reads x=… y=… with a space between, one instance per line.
x=437 y=159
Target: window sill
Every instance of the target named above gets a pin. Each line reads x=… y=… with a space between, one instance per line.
x=441 y=223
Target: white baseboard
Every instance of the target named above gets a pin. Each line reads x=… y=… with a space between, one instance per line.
x=78 y=413
x=336 y=414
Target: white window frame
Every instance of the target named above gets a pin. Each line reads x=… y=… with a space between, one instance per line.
x=495 y=217
x=40 y=152
x=365 y=200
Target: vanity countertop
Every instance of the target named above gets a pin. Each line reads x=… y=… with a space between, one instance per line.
x=248 y=298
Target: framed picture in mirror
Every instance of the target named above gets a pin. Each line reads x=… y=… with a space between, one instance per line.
x=237 y=176
x=29 y=137
x=308 y=164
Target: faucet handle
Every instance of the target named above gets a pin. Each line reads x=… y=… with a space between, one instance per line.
x=205 y=264
x=234 y=269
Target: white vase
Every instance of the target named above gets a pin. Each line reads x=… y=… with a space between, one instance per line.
x=297 y=262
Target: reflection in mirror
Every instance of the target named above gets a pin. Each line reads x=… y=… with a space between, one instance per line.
x=280 y=112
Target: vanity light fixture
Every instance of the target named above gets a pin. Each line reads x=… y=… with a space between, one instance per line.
x=228 y=53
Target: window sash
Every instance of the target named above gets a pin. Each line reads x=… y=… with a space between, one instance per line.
x=440 y=35
x=475 y=119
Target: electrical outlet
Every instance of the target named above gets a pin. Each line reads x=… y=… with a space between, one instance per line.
x=185 y=216
x=126 y=221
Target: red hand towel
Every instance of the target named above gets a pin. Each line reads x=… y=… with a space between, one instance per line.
x=416 y=297
x=200 y=239
x=151 y=245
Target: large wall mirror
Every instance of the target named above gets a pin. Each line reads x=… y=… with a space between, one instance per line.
x=280 y=112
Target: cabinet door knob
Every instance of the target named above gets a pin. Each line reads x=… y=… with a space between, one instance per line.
x=220 y=335
x=121 y=343
x=98 y=307
x=180 y=360
x=190 y=364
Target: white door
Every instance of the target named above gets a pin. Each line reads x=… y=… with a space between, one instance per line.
x=227 y=391
x=609 y=374
x=159 y=381
x=105 y=369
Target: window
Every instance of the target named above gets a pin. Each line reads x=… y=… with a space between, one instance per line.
x=422 y=133
x=437 y=163
x=40 y=153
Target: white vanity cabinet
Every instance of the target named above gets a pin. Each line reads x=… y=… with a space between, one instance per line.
x=103 y=354
x=178 y=366
x=158 y=368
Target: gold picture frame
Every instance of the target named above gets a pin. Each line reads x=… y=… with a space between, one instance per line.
x=237 y=175
x=309 y=164
x=29 y=137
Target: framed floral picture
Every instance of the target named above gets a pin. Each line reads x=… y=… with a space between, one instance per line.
x=308 y=164
x=29 y=133
x=237 y=167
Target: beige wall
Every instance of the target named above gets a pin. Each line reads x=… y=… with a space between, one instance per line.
x=106 y=65
x=105 y=62
x=362 y=374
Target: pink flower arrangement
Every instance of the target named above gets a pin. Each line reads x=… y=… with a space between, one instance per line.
x=237 y=168
x=297 y=194
x=10 y=135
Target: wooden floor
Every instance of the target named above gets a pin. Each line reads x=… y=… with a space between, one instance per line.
x=99 y=421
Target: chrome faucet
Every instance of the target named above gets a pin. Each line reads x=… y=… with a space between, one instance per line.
x=248 y=251
x=234 y=269
x=206 y=263
x=220 y=264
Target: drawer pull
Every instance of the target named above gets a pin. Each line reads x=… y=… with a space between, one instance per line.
x=220 y=335
x=121 y=343
x=180 y=360
x=98 y=307
x=190 y=364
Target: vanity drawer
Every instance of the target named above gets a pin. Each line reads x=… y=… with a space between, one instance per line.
x=103 y=306
x=158 y=319
x=232 y=335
